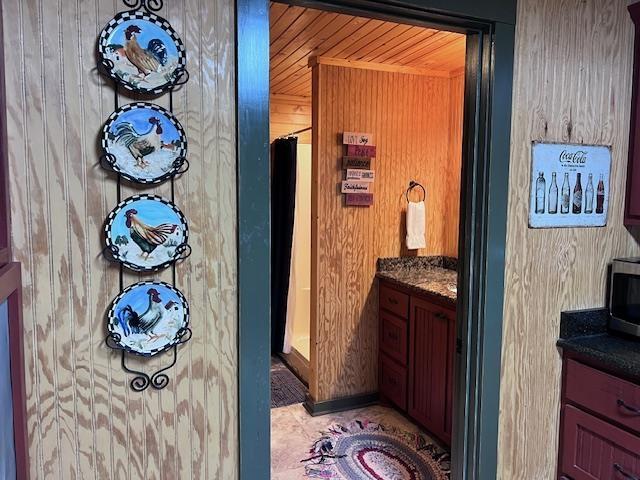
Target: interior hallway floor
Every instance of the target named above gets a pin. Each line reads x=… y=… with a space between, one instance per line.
x=293 y=431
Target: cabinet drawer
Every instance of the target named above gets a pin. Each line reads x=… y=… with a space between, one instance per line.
x=393 y=382
x=604 y=394
x=596 y=450
x=394 y=301
x=393 y=337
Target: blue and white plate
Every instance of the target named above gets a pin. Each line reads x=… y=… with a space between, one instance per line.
x=148 y=318
x=144 y=143
x=142 y=52
x=146 y=233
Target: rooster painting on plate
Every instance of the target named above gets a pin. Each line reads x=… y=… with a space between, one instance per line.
x=144 y=141
x=148 y=316
x=143 y=54
x=152 y=231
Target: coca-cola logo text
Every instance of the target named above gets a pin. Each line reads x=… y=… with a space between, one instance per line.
x=578 y=157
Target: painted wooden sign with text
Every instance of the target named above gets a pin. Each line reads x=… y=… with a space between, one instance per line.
x=355 y=138
x=356 y=162
x=361 y=150
x=359 y=199
x=356 y=187
x=360 y=175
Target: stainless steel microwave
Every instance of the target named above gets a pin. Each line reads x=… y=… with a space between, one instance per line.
x=624 y=298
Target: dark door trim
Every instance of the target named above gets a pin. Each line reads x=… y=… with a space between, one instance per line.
x=254 y=237
x=489 y=77
x=11 y=292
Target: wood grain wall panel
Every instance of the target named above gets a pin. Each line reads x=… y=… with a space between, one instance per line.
x=410 y=116
x=572 y=83
x=83 y=420
x=290 y=113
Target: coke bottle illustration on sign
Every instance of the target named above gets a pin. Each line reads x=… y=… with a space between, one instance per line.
x=588 y=195
x=566 y=194
x=553 y=195
x=577 y=196
x=600 y=195
x=541 y=192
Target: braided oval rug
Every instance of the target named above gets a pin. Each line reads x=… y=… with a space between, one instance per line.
x=370 y=451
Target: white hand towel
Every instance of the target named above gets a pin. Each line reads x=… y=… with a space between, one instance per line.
x=416 y=220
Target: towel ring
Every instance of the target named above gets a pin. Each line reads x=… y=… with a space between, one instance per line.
x=413 y=184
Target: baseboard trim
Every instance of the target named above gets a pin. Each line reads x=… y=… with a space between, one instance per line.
x=316 y=409
x=296 y=362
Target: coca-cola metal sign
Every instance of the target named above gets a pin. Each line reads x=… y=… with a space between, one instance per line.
x=569 y=185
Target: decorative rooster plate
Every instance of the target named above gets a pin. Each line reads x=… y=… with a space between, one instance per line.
x=144 y=143
x=146 y=233
x=148 y=318
x=142 y=52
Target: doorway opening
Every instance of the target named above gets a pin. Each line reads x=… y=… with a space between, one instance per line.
x=364 y=286
x=489 y=34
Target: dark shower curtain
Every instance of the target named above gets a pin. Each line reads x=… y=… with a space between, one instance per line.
x=283 y=199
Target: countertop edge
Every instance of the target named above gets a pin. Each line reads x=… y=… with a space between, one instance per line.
x=415 y=289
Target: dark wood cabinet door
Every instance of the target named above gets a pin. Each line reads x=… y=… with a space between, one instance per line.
x=431 y=366
x=632 y=207
x=596 y=450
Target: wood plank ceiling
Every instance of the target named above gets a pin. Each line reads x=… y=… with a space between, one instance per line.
x=299 y=33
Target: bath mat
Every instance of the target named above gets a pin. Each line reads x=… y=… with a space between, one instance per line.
x=363 y=450
x=286 y=388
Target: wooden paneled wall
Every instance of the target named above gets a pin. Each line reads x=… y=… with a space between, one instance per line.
x=84 y=421
x=411 y=117
x=572 y=83
x=290 y=113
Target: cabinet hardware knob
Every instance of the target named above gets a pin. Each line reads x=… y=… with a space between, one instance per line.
x=623 y=472
x=392 y=301
x=441 y=316
x=628 y=408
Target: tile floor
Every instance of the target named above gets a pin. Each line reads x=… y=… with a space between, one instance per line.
x=293 y=431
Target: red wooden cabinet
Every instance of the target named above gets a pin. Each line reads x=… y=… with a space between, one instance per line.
x=417 y=342
x=632 y=207
x=599 y=438
x=595 y=449
x=430 y=366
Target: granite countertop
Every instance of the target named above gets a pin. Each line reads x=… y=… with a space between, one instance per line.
x=436 y=276
x=584 y=332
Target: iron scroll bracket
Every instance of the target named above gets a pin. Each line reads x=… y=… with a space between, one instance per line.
x=142 y=380
x=148 y=5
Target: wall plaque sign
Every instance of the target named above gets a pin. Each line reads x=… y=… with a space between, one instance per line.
x=355 y=138
x=356 y=187
x=361 y=150
x=359 y=199
x=356 y=162
x=569 y=185
x=360 y=175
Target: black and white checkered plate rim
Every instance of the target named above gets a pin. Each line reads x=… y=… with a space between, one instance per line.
x=112 y=318
x=149 y=17
x=128 y=201
x=171 y=118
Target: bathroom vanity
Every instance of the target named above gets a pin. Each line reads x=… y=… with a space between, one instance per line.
x=417 y=312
